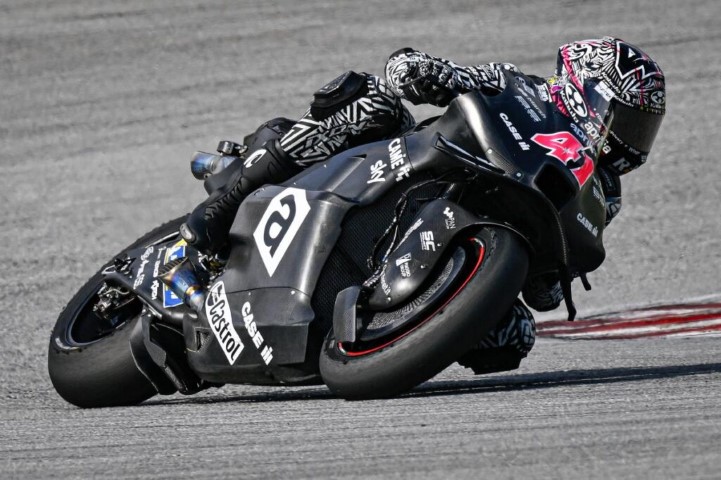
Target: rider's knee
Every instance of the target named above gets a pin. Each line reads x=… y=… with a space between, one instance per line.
x=336 y=95
x=360 y=99
x=273 y=129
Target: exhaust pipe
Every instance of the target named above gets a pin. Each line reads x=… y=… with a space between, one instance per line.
x=179 y=275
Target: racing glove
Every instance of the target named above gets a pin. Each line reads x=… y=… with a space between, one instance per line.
x=420 y=78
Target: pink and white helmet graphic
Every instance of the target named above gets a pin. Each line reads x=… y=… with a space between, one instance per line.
x=635 y=79
x=625 y=90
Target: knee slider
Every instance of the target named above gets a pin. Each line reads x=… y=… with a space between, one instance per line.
x=337 y=94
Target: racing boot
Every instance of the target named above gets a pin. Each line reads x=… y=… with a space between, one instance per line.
x=505 y=346
x=207 y=227
x=543 y=293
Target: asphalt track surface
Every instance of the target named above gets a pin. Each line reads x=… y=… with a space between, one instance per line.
x=103 y=104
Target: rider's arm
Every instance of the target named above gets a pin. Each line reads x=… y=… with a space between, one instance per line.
x=415 y=76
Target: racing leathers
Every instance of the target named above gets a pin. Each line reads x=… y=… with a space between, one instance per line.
x=358 y=108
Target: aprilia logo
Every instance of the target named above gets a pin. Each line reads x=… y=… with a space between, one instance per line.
x=279 y=226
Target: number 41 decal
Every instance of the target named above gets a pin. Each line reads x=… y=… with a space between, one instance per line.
x=567 y=148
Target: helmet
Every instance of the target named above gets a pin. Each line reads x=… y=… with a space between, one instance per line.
x=621 y=91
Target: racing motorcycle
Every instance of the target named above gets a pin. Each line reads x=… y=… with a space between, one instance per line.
x=370 y=272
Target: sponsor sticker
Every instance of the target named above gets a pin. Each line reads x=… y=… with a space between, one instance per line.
x=580 y=133
x=384 y=285
x=254 y=157
x=402 y=264
x=173 y=253
x=529 y=109
x=659 y=98
x=217 y=310
x=587 y=224
x=403 y=172
x=427 y=241
x=279 y=225
x=396 y=154
x=378 y=172
x=604 y=90
x=266 y=352
x=450 y=218
x=574 y=101
x=144 y=259
x=543 y=93
x=514 y=132
x=397 y=161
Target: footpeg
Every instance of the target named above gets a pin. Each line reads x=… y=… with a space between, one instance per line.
x=180 y=277
x=226 y=147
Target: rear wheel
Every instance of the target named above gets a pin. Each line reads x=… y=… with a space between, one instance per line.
x=89 y=357
x=398 y=349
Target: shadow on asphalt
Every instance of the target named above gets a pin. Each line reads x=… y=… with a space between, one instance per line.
x=561 y=378
x=480 y=385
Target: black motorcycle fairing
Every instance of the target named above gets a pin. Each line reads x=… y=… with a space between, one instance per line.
x=501 y=191
x=584 y=218
x=281 y=239
x=360 y=175
x=284 y=235
x=543 y=186
x=273 y=325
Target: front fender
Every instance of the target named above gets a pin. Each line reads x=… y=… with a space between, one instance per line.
x=422 y=246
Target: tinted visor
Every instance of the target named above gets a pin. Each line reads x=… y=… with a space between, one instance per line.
x=635 y=128
x=632 y=126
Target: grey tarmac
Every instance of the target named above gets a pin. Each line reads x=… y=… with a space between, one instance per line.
x=103 y=104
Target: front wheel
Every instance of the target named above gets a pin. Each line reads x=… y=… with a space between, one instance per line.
x=89 y=357
x=399 y=349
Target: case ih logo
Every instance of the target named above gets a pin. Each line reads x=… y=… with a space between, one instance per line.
x=279 y=226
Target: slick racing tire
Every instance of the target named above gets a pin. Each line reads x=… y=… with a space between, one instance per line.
x=89 y=358
x=467 y=295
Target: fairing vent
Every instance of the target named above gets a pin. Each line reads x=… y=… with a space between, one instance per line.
x=555 y=186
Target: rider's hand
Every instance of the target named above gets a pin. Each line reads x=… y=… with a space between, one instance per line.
x=422 y=79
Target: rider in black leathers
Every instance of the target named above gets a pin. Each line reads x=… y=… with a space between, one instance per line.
x=609 y=74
